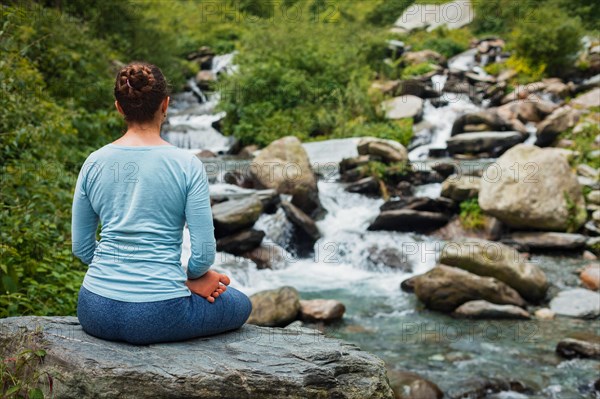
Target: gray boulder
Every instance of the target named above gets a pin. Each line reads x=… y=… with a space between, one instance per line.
x=284 y=166
x=534 y=240
x=235 y=215
x=321 y=310
x=401 y=107
x=493 y=259
x=576 y=302
x=487 y=120
x=241 y=242
x=533 y=188
x=251 y=362
x=387 y=150
x=557 y=122
x=589 y=99
x=301 y=220
x=409 y=220
x=485 y=310
x=445 y=288
x=483 y=142
x=461 y=187
x=579 y=345
x=275 y=308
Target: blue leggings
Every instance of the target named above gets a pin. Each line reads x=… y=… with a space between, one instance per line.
x=176 y=319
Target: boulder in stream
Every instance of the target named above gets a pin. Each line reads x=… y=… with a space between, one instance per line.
x=252 y=362
x=487 y=120
x=588 y=99
x=579 y=345
x=241 y=241
x=590 y=276
x=481 y=309
x=275 y=308
x=235 y=215
x=401 y=107
x=408 y=220
x=461 y=187
x=408 y=385
x=576 y=302
x=535 y=240
x=284 y=166
x=321 y=310
x=301 y=220
x=266 y=256
x=493 y=143
x=445 y=288
x=386 y=150
x=556 y=123
x=533 y=188
x=493 y=259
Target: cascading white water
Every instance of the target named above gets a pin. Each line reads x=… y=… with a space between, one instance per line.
x=192 y=115
x=441 y=119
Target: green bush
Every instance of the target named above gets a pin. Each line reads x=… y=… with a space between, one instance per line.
x=551 y=40
x=388 y=11
x=447 y=42
x=310 y=87
x=471 y=216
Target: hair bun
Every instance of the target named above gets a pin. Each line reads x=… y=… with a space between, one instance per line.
x=140 y=88
x=140 y=77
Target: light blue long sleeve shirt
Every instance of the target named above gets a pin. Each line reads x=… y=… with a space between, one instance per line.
x=142 y=195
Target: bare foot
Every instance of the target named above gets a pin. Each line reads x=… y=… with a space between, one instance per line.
x=209 y=286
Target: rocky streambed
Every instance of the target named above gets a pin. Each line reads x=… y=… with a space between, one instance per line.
x=500 y=304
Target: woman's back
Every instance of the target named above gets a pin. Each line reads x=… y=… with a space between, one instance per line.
x=140 y=194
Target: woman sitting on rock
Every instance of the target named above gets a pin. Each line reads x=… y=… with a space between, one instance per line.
x=143 y=189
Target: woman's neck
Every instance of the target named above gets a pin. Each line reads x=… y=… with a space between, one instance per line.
x=142 y=135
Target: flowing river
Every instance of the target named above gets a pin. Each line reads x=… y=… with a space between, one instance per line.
x=380 y=318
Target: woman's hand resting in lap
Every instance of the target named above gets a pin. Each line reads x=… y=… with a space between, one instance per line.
x=209 y=286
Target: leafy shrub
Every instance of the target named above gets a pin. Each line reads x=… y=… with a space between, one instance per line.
x=552 y=40
x=495 y=68
x=21 y=357
x=471 y=216
x=417 y=70
x=310 y=87
x=388 y=11
x=447 y=42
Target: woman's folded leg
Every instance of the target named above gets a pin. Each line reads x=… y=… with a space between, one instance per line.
x=228 y=312
x=170 y=320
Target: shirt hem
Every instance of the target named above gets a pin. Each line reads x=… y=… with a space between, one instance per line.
x=138 y=298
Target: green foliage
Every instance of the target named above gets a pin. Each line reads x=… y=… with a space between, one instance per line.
x=19 y=367
x=575 y=215
x=388 y=11
x=416 y=70
x=400 y=130
x=583 y=141
x=447 y=42
x=50 y=120
x=495 y=68
x=471 y=216
x=526 y=72
x=552 y=40
x=501 y=16
x=310 y=87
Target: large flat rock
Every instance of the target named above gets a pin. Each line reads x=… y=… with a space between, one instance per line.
x=252 y=362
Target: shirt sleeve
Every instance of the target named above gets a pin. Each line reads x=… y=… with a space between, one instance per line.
x=198 y=215
x=84 y=221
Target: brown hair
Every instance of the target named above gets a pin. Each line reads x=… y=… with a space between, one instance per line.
x=140 y=88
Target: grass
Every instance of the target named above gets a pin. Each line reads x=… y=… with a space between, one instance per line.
x=19 y=367
x=471 y=216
